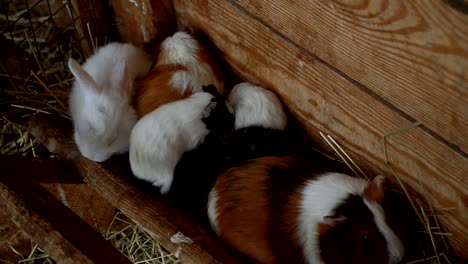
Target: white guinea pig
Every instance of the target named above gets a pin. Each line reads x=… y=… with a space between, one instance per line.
x=260 y=123
x=256 y=106
x=159 y=139
x=100 y=99
x=289 y=210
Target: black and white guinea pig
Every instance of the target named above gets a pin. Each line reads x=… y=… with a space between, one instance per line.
x=260 y=124
x=287 y=210
x=196 y=171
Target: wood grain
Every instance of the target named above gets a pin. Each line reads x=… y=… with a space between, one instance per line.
x=67 y=187
x=157 y=217
x=49 y=223
x=92 y=14
x=323 y=100
x=134 y=20
x=144 y=21
x=411 y=54
x=85 y=202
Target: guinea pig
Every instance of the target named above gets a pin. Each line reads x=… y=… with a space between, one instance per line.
x=100 y=99
x=287 y=210
x=160 y=138
x=196 y=171
x=183 y=66
x=260 y=124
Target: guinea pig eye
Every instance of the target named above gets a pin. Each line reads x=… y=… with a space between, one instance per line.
x=365 y=238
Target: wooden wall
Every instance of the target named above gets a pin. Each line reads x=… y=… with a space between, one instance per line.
x=357 y=70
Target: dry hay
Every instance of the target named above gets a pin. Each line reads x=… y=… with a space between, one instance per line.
x=137 y=244
x=126 y=236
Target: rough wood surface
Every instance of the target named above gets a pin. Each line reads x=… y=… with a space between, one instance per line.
x=412 y=54
x=134 y=20
x=324 y=100
x=85 y=202
x=156 y=216
x=49 y=223
x=68 y=188
x=91 y=14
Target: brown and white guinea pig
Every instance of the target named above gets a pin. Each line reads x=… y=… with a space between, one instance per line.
x=183 y=66
x=260 y=125
x=287 y=210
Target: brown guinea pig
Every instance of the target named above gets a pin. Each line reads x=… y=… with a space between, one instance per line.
x=183 y=66
x=283 y=210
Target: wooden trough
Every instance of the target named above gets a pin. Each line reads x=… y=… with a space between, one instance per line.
x=388 y=79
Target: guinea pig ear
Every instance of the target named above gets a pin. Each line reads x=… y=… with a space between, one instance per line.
x=335 y=219
x=121 y=77
x=86 y=81
x=374 y=190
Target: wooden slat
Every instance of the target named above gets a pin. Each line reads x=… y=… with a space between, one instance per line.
x=85 y=202
x=67 y=187
x=157 y=217
x=92 y=23
x=49 y=223
x=134 y=20
x=323 y=100
x=413 y=54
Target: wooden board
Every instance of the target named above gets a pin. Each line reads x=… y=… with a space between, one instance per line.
x=92 y=23
x=85 y=202
x=142 y=21
x=49 y=223
x=324 y=100
x=68 y=188
x=157 y=217
x=413 y=55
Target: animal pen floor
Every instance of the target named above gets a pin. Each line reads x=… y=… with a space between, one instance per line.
x=34 y=80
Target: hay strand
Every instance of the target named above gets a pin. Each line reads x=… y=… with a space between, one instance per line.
x=347 y=156
x=325 y=138
x=137 y=244
x=395 y=132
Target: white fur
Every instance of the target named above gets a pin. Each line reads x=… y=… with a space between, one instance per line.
x=321 y=197
x=159 y=139
x=212 y=212
x=394 y=245
x=100 y=99
x=183 y=49
x=256 y=106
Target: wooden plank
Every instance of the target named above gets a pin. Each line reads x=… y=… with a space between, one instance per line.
x=144 y=21
x=322 y=100
x=13 y=238
x=411 y=54
x=67 y=187
x=49 y=223
x=134 y=20
x=85 y=202
x=92 y=14
x=157 y=217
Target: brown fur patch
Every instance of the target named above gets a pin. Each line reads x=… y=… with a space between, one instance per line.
x=322 y=228
x=206 y=57
x=248 y=220
x=154 y=90
x=242 y=207
x=374 y=191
